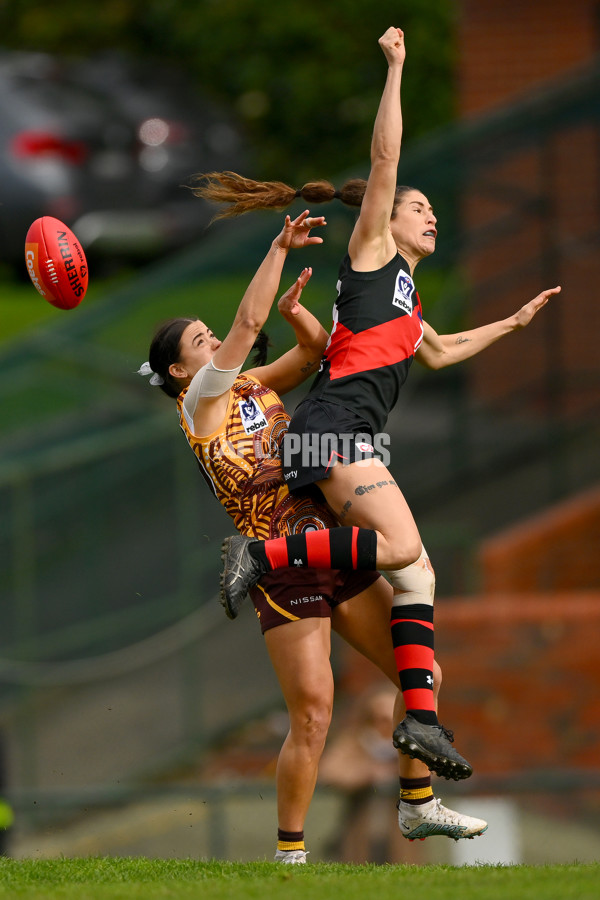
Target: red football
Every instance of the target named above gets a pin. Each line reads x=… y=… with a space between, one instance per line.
x=56 y=262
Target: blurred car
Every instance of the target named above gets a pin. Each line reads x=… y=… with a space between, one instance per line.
x=106 y=146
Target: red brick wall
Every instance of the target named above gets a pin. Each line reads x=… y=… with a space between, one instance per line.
x=506 y=49
x=532 y=253
x=521 y=679
x=558 y=549
x=507 y=46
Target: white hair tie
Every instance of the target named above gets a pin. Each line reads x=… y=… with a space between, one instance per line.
x=145 y=369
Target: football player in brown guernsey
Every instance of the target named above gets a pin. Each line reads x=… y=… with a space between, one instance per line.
x=234 y=423
x=378 y=331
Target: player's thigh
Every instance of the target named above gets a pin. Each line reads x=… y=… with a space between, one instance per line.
x=363 y=621
x=364 y=493
x=300 y=654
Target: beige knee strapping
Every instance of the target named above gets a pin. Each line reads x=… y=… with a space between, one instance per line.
x=414 y=583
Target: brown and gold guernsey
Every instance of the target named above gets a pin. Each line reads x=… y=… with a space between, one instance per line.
x=240 y=461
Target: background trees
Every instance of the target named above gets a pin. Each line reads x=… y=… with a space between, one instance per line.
x=304 y=76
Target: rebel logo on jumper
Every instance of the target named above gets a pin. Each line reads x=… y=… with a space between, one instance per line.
x=253 y=419
x=403 y=292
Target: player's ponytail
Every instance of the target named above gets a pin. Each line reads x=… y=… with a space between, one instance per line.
x=260 y=349
x=239 y=195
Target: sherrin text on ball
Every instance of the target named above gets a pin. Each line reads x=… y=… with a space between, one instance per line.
x=56 y=262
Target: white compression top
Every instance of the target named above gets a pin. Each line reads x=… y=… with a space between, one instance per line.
x=207 y=382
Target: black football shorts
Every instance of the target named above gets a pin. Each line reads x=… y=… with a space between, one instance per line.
x=321 y=435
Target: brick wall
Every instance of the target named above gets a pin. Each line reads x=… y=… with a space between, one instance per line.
x=521 y=671
x=508 y=46
x=521 y=680
x=558 y=549
x=554 y=363
x=544 y=199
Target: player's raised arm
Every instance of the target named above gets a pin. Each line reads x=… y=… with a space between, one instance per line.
x=302 y=361
x=371 y=244
x=260 y=293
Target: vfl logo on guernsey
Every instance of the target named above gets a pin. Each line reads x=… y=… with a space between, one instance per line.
x=403 y=292
x=252 y=418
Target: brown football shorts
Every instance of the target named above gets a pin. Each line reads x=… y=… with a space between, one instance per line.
x=286 y=595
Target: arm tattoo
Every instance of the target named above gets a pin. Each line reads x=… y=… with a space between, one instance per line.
x=463 y=340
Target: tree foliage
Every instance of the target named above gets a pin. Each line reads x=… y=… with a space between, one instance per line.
x=305 y=76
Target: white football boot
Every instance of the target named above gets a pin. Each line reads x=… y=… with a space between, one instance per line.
x=291 y=857
x=429 y=819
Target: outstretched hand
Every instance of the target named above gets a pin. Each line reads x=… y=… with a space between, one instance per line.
x=289 y=303
x=524 y=316
x=392 y=44
x=296 y=233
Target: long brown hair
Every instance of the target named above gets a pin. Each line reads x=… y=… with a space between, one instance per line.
x=240 y=195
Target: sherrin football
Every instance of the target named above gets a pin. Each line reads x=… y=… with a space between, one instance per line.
x=56 y=262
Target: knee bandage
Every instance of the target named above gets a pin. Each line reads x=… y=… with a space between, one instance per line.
x=414 y=583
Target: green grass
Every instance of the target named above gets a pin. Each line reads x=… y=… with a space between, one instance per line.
x=212 y=298
x=21 y=309
x=146 y=879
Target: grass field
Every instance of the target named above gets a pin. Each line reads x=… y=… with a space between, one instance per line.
x=23 y=310
x=137 y=878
